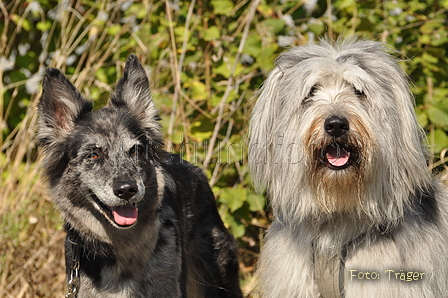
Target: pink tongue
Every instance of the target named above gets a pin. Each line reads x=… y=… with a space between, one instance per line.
x=125 y=215
x=337 y=156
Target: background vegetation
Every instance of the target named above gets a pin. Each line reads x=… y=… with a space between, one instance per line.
x=205 y=60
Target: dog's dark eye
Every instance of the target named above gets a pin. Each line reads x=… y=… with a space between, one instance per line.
x=93 y=155
x=360 y=94
x=311 y=93
x=135 y=149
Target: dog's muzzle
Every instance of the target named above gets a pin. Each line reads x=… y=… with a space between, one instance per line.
x=336 y=126
x=122 y=211
x=125 y=214
x=340 y=153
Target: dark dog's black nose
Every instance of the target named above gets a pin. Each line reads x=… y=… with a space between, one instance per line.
x=336 y=126
x=125 y=189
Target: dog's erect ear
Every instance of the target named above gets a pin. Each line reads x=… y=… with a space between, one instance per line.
x=59 y=107
x=134 y=93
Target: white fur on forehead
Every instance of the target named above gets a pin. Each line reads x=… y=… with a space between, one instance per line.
x=367 y=57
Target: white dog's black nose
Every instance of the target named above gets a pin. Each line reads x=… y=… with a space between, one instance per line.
x=336 y=126
x=125 y=189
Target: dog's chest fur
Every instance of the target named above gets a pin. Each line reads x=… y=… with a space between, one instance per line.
x=406 y=249
x=149 y=266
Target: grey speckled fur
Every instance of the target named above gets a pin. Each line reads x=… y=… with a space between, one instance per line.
x=102 y=165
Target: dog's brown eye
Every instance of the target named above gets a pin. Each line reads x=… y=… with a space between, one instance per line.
x=93 y=155
x=134 y=150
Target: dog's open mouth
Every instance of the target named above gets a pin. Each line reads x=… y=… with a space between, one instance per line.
x=338 y=156
x=124 y=216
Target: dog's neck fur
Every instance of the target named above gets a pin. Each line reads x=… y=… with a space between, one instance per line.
x=330 y=249
x=336 y=232
x=112 y=262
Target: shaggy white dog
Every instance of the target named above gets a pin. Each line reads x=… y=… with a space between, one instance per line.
x=335 y=143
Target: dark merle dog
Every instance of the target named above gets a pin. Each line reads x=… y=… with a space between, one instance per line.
x=140 y=222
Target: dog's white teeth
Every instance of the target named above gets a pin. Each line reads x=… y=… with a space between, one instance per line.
x=134 y=205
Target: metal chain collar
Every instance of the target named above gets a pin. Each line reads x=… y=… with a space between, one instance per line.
x=73 y=282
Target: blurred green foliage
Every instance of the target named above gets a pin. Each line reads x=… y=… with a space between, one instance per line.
x=205 y=60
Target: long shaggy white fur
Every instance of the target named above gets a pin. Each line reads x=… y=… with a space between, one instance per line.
x=335 y=143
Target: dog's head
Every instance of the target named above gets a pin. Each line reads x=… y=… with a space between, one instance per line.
x=101 y=164
x=334 y=130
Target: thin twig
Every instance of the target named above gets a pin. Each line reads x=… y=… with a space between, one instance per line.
x=177 y=64
x=230 y=84
x=330 y=18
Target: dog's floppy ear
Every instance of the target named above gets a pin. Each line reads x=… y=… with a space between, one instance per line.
x=262 y=129
x=134 y=93
x=59 y=107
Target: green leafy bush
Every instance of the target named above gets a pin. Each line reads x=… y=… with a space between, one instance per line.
x=205 y=60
